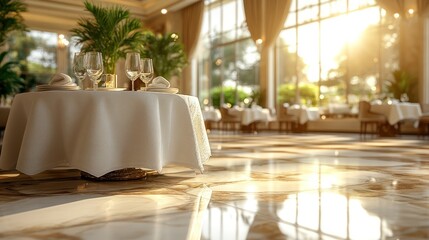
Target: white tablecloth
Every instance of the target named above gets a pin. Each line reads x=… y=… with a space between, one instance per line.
x=212 y=115
x=251 y=115
x=304 y=114
x=396 y=112
x=99 y=132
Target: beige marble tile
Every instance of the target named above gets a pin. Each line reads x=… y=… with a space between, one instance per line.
x=256 y=186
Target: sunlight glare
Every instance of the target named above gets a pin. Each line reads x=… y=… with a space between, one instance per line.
x=336 y=32
x=331 y=213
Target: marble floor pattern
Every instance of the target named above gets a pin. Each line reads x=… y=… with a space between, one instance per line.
x=256 y=186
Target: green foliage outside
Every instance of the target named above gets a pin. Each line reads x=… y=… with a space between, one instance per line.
x=10 y=20
x=34 y=72
x=166 y=52
x=10 y=82
x=229 y=94
x=308 y=94
x=229 y=60
x=111 y=31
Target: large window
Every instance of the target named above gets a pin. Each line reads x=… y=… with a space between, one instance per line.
x=36 y=52
x=335 y=51
x=329 y=51
x=41 y=54
x=228 y=58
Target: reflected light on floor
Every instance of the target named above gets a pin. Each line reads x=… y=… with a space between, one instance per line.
x=330 y=214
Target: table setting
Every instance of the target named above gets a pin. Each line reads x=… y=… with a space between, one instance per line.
x=160 y=84
x=90 y=65
x=108 y=135
x=59 y=81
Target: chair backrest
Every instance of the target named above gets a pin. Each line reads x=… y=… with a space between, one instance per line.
x=364 y=107
x=282 y=112
x=226 y=116
x=365 y=112
x=4 y=114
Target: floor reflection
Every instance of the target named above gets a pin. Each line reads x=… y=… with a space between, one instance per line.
x=263 y=186
x=329 y=214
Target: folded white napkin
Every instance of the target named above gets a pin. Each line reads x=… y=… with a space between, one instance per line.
x=61 y=79
x=159 y=82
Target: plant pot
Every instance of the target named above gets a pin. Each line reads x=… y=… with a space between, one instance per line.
x=109 y=80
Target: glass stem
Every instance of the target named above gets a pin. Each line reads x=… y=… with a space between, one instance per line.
x=95 y=85
x=81 y=84
x=132 y=85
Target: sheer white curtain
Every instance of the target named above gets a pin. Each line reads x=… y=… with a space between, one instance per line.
x=265 y=20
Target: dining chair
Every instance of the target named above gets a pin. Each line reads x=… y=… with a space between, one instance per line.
x=272 y=117
x=370 y=119
x=290 y=121
x=229 y=120
x=4 y=114
x=423 y=125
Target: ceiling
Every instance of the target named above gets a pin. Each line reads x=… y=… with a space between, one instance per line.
x=61 y=15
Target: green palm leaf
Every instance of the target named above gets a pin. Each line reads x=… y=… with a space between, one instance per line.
x=10 y=81
x=110 y=31
x=166 y=52
x=10 y=18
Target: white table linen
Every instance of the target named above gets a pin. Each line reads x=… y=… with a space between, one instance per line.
x=99 y=132
x=304 y=114
x=396 y=112
x=212 y=114
x=251 y=115
x=338 y=108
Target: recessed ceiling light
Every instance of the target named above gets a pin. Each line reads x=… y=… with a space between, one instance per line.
x=164 y=11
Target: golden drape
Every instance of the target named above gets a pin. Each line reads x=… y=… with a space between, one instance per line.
x=192 y=19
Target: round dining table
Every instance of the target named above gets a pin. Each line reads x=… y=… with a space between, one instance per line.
x=102 y=131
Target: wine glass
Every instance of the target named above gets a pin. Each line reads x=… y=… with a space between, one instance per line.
x=79 y=69
x=93 y=62
x=133 y=67
x=147 y=71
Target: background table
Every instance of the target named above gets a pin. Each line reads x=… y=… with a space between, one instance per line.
x=252 y=115
x=397 y=112
x=98 y=132
x=304 y=114
x=211 y=114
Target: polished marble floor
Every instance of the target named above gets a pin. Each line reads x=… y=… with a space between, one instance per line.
x=256 y=186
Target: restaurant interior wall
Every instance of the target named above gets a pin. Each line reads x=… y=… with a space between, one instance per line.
x=383 y=63
x=172 y=22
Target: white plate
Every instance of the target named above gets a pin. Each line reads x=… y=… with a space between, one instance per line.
x=107 y=89
x=164 y=90
x=54 y=87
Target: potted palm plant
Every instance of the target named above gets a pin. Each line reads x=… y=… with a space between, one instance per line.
x=166 y=52
x=401 y=84
x=111 y=31
x=11 y=20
